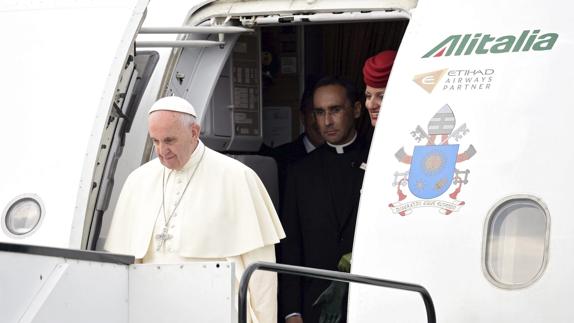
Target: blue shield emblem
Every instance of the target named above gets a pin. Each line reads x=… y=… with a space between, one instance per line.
x=432 y=170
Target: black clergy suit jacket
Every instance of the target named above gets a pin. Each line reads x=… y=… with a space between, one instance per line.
x=319 y=214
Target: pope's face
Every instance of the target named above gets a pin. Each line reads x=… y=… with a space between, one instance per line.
x=373 y=99
x=174 y=140
x=334 y=113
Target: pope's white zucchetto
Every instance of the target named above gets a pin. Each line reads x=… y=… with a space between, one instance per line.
x=173 y=103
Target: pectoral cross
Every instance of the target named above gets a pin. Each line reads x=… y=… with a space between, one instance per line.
x=163 y=237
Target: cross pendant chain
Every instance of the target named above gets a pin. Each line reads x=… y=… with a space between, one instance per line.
x=163 y=237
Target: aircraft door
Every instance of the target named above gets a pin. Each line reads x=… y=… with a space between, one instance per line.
x=136 y=74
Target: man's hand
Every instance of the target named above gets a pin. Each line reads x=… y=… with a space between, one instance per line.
x=330 y=302
x=294 y=319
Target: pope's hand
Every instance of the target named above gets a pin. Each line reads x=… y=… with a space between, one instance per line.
x=330 y=302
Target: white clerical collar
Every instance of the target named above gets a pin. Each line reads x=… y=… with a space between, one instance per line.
x=309 y=147
x=195 y=157
x=341 y=148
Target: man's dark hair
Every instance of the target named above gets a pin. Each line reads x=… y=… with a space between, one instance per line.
x=350 y=90
x=306 y=103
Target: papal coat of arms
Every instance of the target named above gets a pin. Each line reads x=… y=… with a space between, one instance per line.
x=433 y=166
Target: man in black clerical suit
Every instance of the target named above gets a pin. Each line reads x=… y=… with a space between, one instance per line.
x=321 y=200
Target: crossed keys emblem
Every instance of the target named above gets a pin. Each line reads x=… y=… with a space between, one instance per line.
x=433 y=166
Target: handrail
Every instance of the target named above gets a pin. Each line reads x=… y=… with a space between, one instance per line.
x=76 y=254
x=329 y=275
x=195 y=30
x=178 y=43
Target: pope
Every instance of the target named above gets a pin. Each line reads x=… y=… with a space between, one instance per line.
x=194 y=204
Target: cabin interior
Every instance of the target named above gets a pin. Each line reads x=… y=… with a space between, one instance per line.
x=291 y=58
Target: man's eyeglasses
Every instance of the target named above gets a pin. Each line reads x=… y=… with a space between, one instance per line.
x=332 y=111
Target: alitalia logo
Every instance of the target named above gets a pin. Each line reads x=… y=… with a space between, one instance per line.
x=469 y=44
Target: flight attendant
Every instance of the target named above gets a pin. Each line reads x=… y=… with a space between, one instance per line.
x=376 y=72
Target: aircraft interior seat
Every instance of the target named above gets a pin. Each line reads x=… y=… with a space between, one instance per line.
x=266 y=168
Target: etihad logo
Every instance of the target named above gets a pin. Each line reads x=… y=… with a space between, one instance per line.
x=457 y=80
x=429 y=80
x=479 y=44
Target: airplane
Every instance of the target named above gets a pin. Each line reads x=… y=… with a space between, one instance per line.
x=465 y=191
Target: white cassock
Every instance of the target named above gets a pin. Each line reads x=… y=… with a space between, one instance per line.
x=225 y=213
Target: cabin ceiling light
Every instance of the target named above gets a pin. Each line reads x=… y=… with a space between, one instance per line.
x=22 y=216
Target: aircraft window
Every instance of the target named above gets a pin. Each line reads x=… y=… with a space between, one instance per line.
x=515 y=249
x=23 y=216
